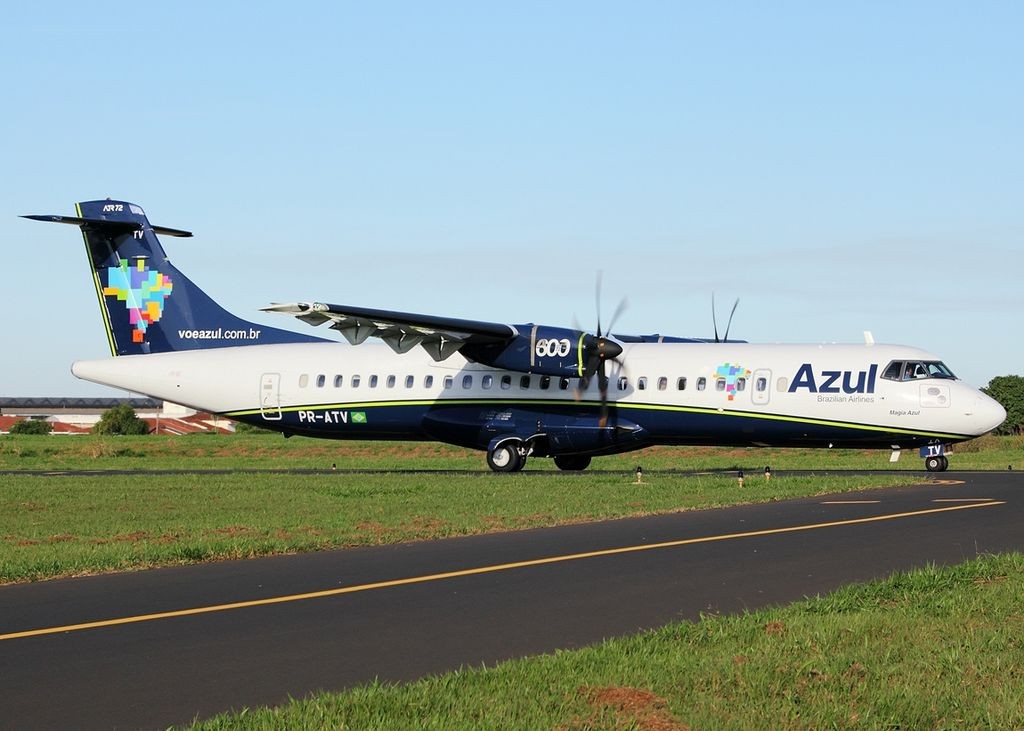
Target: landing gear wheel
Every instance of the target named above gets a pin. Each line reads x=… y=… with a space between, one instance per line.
x=936 y=464
x=572 y=462
x=505 y=458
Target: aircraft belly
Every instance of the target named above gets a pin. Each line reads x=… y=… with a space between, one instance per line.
x=555 y=428
x=747 y=428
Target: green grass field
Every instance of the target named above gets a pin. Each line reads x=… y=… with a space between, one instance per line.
x=60 y=526
x=932 y=649
x=255 y=451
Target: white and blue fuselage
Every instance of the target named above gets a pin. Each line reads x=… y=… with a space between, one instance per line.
x=511 y=390
x=666 y=393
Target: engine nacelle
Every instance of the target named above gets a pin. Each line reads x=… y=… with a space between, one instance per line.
x=541 y=349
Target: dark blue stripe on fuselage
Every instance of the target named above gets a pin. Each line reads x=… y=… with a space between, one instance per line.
x=475 y=424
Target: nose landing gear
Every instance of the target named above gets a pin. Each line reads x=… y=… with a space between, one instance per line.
x=937 y=463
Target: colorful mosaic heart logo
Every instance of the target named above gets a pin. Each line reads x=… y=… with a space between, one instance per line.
x=143 y=292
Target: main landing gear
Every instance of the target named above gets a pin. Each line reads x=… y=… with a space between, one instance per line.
x=510 y=456
x=937 y=463
x=506 y=457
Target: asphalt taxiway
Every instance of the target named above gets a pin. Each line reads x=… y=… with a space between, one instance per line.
x=154 y=648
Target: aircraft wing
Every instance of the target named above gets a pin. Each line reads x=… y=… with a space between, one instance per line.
x=439 y=336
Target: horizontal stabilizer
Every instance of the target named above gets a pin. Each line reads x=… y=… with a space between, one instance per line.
x=112 y=226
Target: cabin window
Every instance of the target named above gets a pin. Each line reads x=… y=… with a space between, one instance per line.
x=303 y=380
x=563 y=384
x=448 y=381
x=373 y=381
x=681 y=384
x=467 y=381
x=391 y=382
x=623 y=383
x=524 y=382
x=741 y=384
x=354 y=381
x=781 y=384
x=409 y=381
x=338 y=381
x=761 y=384
x=641 y=383
x=662 y=383
x=486 y=381
x=719 y=384
x=702 y=383
x=321 y=381
x=545 y=383
x=506 y=383
x=428 y=381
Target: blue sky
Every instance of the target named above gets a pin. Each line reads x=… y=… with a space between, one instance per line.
x=838 y=167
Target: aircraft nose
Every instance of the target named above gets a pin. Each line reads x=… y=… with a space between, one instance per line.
x=988 y=413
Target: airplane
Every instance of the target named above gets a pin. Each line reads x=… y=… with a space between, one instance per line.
x=514 y=391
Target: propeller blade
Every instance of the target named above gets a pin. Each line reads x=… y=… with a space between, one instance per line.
x=597 y=301
x=729 y=325
x=602 y=383
x=623 y=306
x=714 y=317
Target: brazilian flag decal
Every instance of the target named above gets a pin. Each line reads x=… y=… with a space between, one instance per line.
x=358 y=417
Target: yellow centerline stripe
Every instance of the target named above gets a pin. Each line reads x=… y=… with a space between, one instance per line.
x=961 y=499
x=474 y=571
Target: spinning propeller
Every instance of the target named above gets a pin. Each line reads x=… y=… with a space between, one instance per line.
x=598 y=350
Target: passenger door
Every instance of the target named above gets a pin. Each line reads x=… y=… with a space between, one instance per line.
x=761 y=393
x=270 y=396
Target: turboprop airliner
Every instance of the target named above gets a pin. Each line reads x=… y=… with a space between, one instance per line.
x=513 y=391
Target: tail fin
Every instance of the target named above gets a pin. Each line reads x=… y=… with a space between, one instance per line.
x=149 y=306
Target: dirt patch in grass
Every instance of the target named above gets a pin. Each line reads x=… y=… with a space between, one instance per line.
x=373 y=528
x=626 y=707
x=133 y=537
x=230 y=531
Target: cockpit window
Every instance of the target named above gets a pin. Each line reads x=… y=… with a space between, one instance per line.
x=938 y=369
x=912 y=370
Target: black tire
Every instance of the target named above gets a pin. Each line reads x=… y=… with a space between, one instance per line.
x=945 y=464
x=505 y=458
x=934 y=464
x=572 y=462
